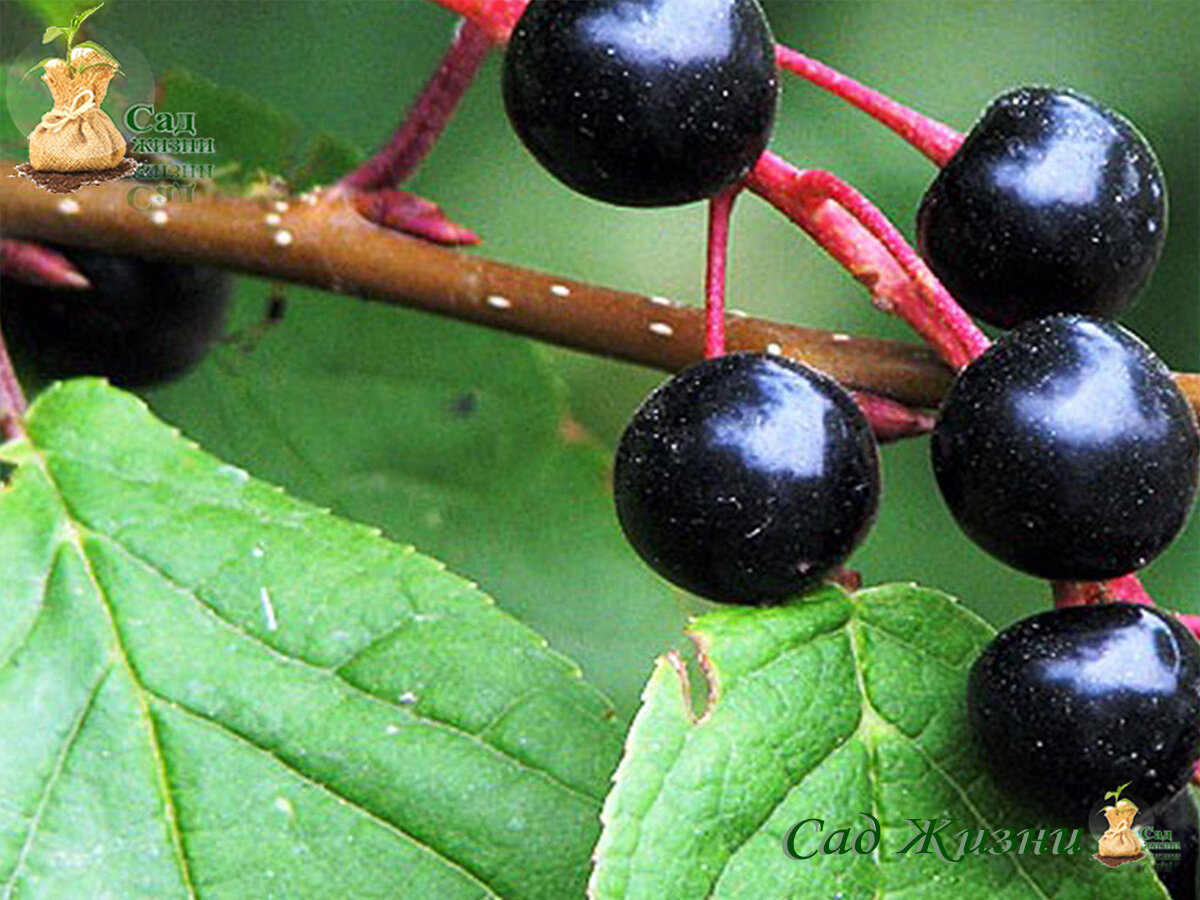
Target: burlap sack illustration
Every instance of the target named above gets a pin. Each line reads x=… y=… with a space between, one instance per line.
x=1120 y=840
x=76 y=135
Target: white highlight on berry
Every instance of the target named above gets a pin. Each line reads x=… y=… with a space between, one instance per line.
x=560 y=290
x=497 y=302
x=68 y=207
x=662 y=329
x=283 y=237
x=159 y=217
x=272 y=219
x=268 y=608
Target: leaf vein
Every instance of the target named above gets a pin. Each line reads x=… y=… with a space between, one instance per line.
x=60 y=764
x=335 y=675
x=375 y=818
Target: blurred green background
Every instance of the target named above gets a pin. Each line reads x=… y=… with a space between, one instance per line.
x=349 y=68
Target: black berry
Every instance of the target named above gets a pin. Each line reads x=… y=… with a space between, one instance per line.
x=1067 y=450
x=1175 y=822
x=1053 y=204
x=746 y=478
x=141 y=323
x=643 y=102
x=1070 y=704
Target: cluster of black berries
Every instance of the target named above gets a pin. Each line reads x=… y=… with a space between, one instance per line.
x=1066 y=450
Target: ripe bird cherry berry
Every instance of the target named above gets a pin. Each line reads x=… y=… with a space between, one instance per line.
x=746 y=478
x=1053 y=204
x=1067 y=451
x=1069 y=704
x=643 y=102
x=141 y=322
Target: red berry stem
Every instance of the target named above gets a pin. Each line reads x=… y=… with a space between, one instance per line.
x=1191 y=622
x=12 y=398
x=936 y=140
x=39 y=266
x=851 y=229
x=720 y=208
x=427 y=117
x=496 y=17
x=1126 y=589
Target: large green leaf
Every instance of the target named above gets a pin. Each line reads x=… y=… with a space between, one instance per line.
x=824 y=709
x=450 y=436
x=211 y=690
x=255 y=134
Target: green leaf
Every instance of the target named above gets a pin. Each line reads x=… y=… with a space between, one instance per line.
x=250 y=131
x=78 y=18
x=54 y=32
x=210 y=690
x=93 y=45
x=829 y=708
x=1116 y=795
x=83 y=69
x=454 y=437
x=37 y=66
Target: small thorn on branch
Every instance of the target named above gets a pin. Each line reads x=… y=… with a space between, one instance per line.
x=412 y=214
x=39 y=266
x=892 y=421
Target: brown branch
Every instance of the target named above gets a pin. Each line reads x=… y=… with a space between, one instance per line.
x=326 y=244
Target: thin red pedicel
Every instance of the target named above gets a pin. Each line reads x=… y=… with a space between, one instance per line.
x=800 y=194
x=720 y=209
x=938 y=141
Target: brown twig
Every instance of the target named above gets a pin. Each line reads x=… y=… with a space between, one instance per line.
x=326 y=244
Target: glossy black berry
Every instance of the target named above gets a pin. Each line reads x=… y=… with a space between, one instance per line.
x=1053 y=204
x=1072 y=703
x=746 y=478
x=643 y=102
x=141 y=323
x=1176 y=822
x=1067 y=451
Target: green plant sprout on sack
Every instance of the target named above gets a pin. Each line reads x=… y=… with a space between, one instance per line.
x=76 y=135
x=1115 y=796
x=69 y=32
